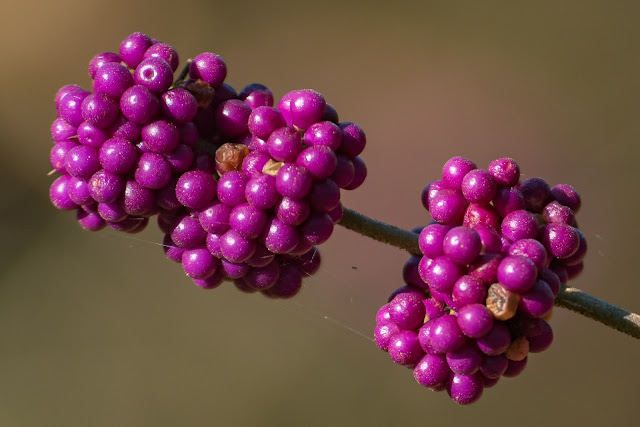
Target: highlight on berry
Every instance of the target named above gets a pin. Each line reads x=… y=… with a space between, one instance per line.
x=244 y=191
x=477 y=302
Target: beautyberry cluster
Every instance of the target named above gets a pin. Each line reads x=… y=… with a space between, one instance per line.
x=242 y=190
x=477 y=302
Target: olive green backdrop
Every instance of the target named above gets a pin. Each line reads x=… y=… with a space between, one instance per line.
x=101 y=329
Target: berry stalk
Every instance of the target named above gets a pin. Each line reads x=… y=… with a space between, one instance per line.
x=570 y=298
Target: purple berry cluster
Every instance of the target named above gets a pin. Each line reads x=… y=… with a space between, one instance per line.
x=477 y=302
x=242 y=190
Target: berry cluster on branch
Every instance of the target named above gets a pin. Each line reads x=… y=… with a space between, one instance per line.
x=245 y=191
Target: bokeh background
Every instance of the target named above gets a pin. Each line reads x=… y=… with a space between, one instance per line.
x=101 y=329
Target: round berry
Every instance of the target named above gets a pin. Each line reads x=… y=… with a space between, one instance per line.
x=567 y=195
x=478 y=186
x=561 y=240
x=209 y=67
x=155 y=74
x=462 y=245
x=59 y=194
x=404 y=348
x=163 y=51
x=198 y=263
x=505 y=171
x=112 y=79
x=432 y=371
x=264 y=120
x=519 y=225
x=475 y=320
x=329 y=135
x=133 y=47
x=231 y=188
x=448 y=206
x=536 y=194
x=153 y=171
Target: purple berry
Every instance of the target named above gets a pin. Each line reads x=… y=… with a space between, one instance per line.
x=519 y=225
x=353 y=140
x=209 y=67
x=112 y=212
x=478 y=186
x=279 y=237
x=476 y=214
x=319 y=161
x=317 y=228
x=61 y=130
x=404 y=348
x=198 y=263
x=118 y=156
x=517 y=273
x=81 y=162
x=561 y=240
x=469 y=290
x=359 y=174
x=138 y=200
x=90 y=221
x=442 y=273
x=466 y=360
x=247 y=220
x=567 y=195
x=187 y=233
x=344 y=172
x=293 y=212
x=505 y=171
x=215 y=217
x=554 y=212
x=407 y=311
x=515 y=368
x=179 y=105
x=262 y=278
x=383 y=333
x=153 y=171
x=161 y=136
x=448 y=206
x=293 y=181
x=264 y=120
x=139 y=104
x=256 y=95
x=536 y=194
x=231 y=188
x=507 y=200
x=70 y=106
x=537 y=301
x=155 y=74
x=59 y=153
x=289 y=283
x=59 y=194
x=106 y=187
x=493 y=367
x=431 y=240
x=99 y=110
x=112 y=79
x=196 y=189
x=302 y=108
x=532 y=249
x=329 y=135
x=432 y=371
x=475 y=320
x=163 y=51
x=454 y=170
x=446 y=335
x=232 y=117
x=260 y=191
x=465 y=389
x=462 y=245
x=92 y=136
x=233 y=270
x=496 y=341
x=543 y=340
x=100 y=59
x=133 y=47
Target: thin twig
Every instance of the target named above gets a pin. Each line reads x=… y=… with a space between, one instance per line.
x=571 y=298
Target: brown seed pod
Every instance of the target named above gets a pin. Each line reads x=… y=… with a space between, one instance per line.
x=201 y=91
x=229 y=157
x=518 y=349
x=272 y=167
x=502 y=302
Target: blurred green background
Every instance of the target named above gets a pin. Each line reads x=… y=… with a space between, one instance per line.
x=101 y=329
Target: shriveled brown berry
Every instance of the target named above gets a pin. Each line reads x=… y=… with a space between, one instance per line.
x=518 y=349
x=502 y=302
x=201 y=91
x=272 y=167
x=229 y=157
